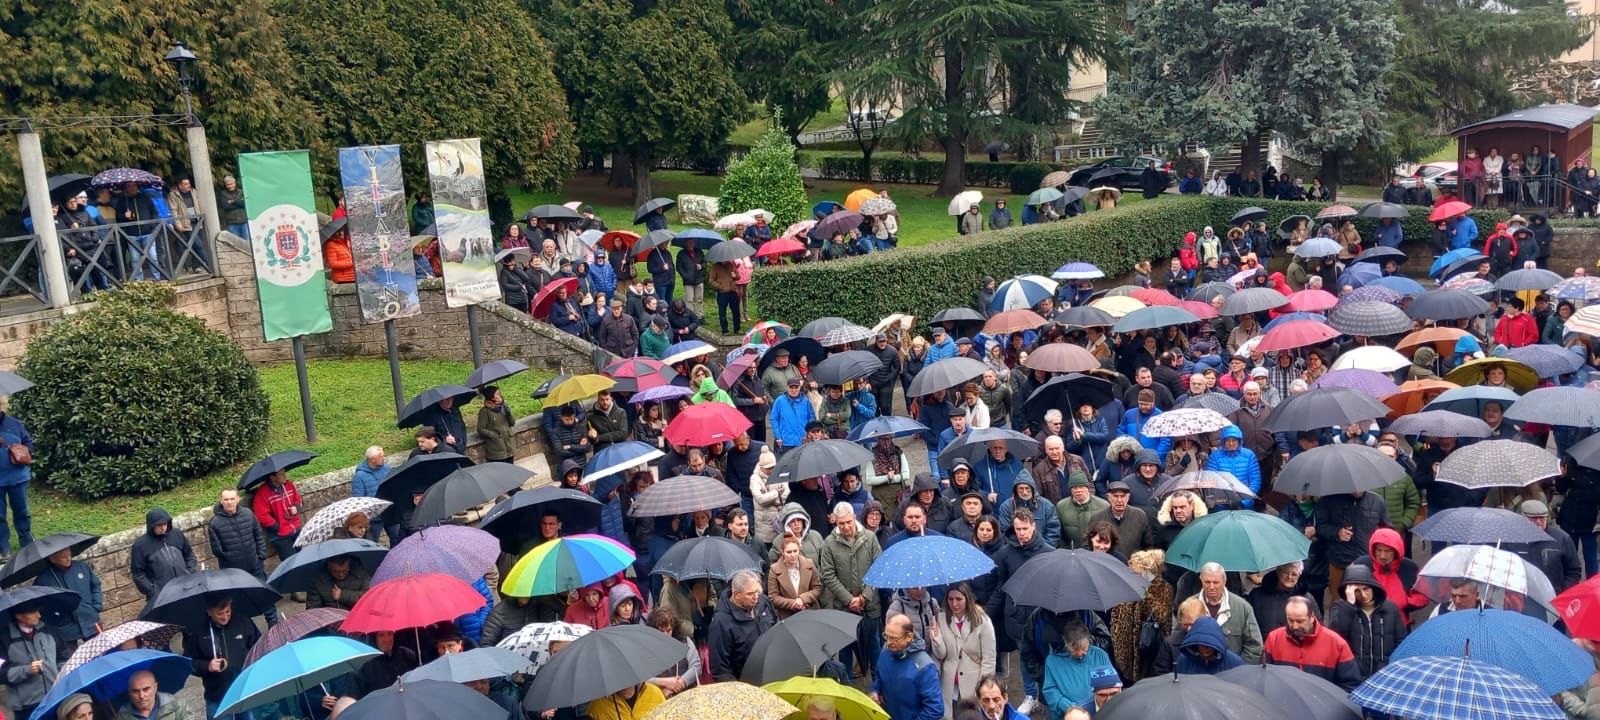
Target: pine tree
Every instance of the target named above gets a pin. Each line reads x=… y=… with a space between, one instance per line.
x=768 y=178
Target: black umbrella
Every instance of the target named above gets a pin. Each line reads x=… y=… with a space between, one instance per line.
x=182 y=601
x=468 y=488
x=706 y=557
x=1190 y=697
x=1084 y=316
x=1459 y=266
x=729 y=252
x=840 y=368
x=962 y=321
x=839 y=223
x=651 y=240
x=798 y=644
x=599 y=664
x=1446 y=304
x=973 y=445
x=302 y=568
x=1299 y=694
x=12 y=383
x=1249 y=214
x=1382 y=210
x=515 y=520
x=652 y=206
x=551 y=212
x=332 y=228
x=1337 y=469
x=50 y=600
x=417 y=474
x=1066 y=580
x=797 y=346
x=411 y=415
x=62 y=187
x=820 y=326
x=1380 y=255
x=423 y=700
x=1104 y=174
x=1204 y=293
x=495 y=371
x=1253 y=300
x=31 y=559
x=266 y=467
x=817 y=458
x=1288 y=224
x=944 y=374
x=544 y=388
x=1072 y=194
x=1440 y=424
x=1066 y=393
x=1320 y=408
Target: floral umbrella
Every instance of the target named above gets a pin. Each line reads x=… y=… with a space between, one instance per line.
x=152 y=636
x=332 y=517
x=1185 y=421
x=534 y=640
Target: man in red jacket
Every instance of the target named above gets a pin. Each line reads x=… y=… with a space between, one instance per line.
x=1516 y=328
x=277 y=506
x=1306 y=644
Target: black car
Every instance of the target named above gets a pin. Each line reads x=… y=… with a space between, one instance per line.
x=1121 y=172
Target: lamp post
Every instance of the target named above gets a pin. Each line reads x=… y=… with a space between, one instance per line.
x=181 y=57
x=205 y=190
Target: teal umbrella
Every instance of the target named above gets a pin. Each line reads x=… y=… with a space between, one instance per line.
x=1043 y=196
x=1241 y=540
x=292 y=670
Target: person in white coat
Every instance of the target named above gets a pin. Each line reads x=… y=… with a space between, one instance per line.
x=962 y=640
x=767 y=499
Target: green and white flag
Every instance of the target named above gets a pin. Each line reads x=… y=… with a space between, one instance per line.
x=285 y=243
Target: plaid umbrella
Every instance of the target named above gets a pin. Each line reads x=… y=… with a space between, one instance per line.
x=1479 y=525
x=331 y=517
x=461 y=552
x=1371 y=382
x=1371 y=293
x=117 y=177
x=845 y=334
x=1548 y=361
x=682 y=494
x=1427 y=687
x=1216 y=401
x=1497 y=463
x=151 y=636
x=294 y=627
x=1508 y=578
x=534 y=640
x=1184 y=421
x=1441 y=424
x=1369 y=319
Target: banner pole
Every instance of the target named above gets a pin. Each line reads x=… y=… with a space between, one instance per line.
x=472 y=336
x=394 y=366
x=305 y=389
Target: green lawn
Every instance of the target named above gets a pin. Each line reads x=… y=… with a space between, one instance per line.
x=353 y=406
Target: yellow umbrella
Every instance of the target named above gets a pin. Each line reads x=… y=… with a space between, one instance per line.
x=1117 y=305
x=579 y=387
x=723 y=701
x=852 y=202
x=851 y=703
x=1519 y=376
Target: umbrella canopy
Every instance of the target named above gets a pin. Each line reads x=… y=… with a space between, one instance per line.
x=293 y=627
x=1371 y=357
x=412 y=601
x=1201 y=310
x=493 y=372
x=877 y=206
x=566 y=564
x=1381 y=254
x=590 y=238
x=533 y=640
x=105 y=678
x=851 y=704
x=1426 y=687
x=963 y=201
x=618 y=241
x=544 y=388
x=778 y=247
x=462 y=552
x=1297 y=693
x=651 y=240
x=1338 y=469
x=1382 y=210
x=799 y=345
x=1469 y=282
x=1062 y=358
x=630 y=654
x=1218 y=401
x=618 y=458
x=1413 y=394
x=1441 y=424
x=515 y=520
x=798 y=644
x=412 y=414
x=1056 y=178
x=1324 y=407
x=1078 y=271
x=1505 y=580
x=1473 y=372
x=650 y=206
x=1067 y=393
x=423 y=700
x=578 y=388
x=1154 y=296
x=1312 y=301
x=1509 y=640
x=551 y=212
x=683 y=494
x=637 y=373
x=1479 y=525
x=1400 y=284
x=1084 y=316
x=1179 y=422
x=303 y=568
x=1296 y=334
x=973 y=445
x=1443 y=339
x=927 y=561
x=1333 y=212
x=1579 y=607
x=1317 y=247
x=1528 y=279
x=730 y=222
x=706 y=557
x=484 y=663
x=61 y=187
x=1446 y=304
x=1191 y=697
x=1044 y=195
x=758 y=332
x=1065 y=580
x=1548 y=361
x=1202 y=481
x=115 y=178
x=468 y=488
x=520 y=254
x=545 y=299
x=182 y=600
x=1360 y=275
x=1243 y=541
x=1372 y=293
x=1497 y=463
x=1022 y=292
x=332 y=517
x=1373 y=383
x=12 y=383
x=817 y=458
x=1586 y=452
x=145 y=635
x=268 y=466
x=1116 y=306
x=1577 y=288
x=706 y=424
x=844 y=335
x=1248 y=214
x=55 y=603
x=1369 y=319
x=965 y=321
x=685 y=351
x=734 y=249
x=945 y=374
x=1010 y=321
x=1471 y=399
x=1565 y=406
x=293 y=669
x=1155 y=316
x=1253 y=300
x=1205 y=292
x=731 y=700
x=1447 y=210
x=703 y=238
x=868 y=432
x=32 y=558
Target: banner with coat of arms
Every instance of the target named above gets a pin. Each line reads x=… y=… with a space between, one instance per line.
x=285 y=243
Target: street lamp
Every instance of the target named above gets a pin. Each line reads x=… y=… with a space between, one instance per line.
x=181 y=58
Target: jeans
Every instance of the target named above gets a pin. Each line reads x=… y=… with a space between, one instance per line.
x=272 y=611
x=1030 y=687
x=728 y=301
x=240 y=229
x=144 y=251
x=17 y=497
x=1588 y=546
x=664 y=292
x=284 y=544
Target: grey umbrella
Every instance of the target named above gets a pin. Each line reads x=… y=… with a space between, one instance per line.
x=1528 y=279
x=840 y=368
x=1217 y=401
x=817 y=458
x=974 y=444
x=1155 y=316
x=602 y=663
x=1446 y=304
x=1337 y=469
x=12 y=383
x=1381 y=254
x=729 y=251
x=820 y=327
x=1066 y=580
x=1084 y=316
x=484 y=663
x=1369 y=319
x=1191 y=697
x=1587 y=452
x=651 y=241
x=798 y=644
x=706 y=557
x=944 y=374
x=1476 y=525
x=1441 y=424
x=301 y=569
x=1381 y=210
x=1248 y=214
x=1253 y=300
x=1497 y=463
x=1565 y=406
x=1322 y=408
x=1299 y=694
x=551 y=212
x=650 y=207
x=494 y=371
x=468 y=488
x=1207 y=291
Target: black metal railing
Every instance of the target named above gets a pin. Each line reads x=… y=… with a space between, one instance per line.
x=21 y=282
x=107 y=256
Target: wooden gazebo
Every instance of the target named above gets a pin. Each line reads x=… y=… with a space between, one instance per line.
x=1569 y=129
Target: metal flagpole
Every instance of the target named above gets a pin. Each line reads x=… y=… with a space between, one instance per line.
x=305 y=388
x=472 y=335
x=394 y=366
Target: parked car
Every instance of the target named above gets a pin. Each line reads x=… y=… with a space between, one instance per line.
x=1126 y=168
x=1434 y=176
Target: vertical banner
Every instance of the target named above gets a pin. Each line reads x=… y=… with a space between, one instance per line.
x=461 y=213
x=284 y=239
x=380 y=238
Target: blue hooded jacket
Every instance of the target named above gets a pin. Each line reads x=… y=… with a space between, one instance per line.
x=1240 y=463
x=471 y=626
x=365 y=481
x=611 y=524
x=908 y=682
x=1205 y=632
x=1463 y=233
x=1390 y=235
x=1047 y=525
x=601 y=275
x=940 y=351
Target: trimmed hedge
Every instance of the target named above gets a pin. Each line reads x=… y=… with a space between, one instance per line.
x=924 y=280
x=919 y=172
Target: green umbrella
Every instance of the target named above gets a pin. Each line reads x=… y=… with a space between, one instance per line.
x=1044 y=195
x=1242 y=541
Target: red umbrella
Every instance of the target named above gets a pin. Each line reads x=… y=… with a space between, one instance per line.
x=618 y=240
x=1012 y=321
x=706 y=424
x=1448 y=210
x=638 y=373
x=1295 y=334
x=1312 y=301
x=1152 y=296
x=780 y=246
x=412 y=601
x=1201 y=310
x=546 y=297
x=1579 y=607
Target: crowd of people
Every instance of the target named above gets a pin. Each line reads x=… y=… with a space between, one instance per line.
x=115 y=232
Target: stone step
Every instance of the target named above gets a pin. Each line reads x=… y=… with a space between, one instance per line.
x=541 y=471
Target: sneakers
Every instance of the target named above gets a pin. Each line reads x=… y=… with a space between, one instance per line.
x=1027 y=706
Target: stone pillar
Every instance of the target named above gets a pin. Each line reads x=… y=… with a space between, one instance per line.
x=205 y=189
x=37 y=185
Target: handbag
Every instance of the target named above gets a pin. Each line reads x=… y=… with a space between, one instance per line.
x=20 y=454
x=1149 y=635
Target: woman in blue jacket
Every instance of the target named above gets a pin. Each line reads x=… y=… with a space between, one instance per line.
x=14 y=479
x=1235 y=459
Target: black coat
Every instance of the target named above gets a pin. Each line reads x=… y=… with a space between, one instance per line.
x=514 y=286
x=619 y=335
x=1363 y=517
x=232 y=642
x=733 y=633
x=448 y=423
x=153 y=560
x=692 y=267
x=1372 y=638
x=1006 y=563
x=1558 y=559
x=1152 y=182
x=237 y=540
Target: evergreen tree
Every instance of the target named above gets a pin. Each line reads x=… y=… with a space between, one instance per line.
x=767 y=177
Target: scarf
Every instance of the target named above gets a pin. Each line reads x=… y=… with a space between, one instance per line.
x=885 y=458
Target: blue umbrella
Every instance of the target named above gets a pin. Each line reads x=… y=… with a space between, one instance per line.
x=1445 y=260
x=105 y=678
x=927 y=561
x=758 y=348
x=1425 y=687
x=890 y=425
x=1022 y=292
x=619 y=457
x=1077 y=271
x=294 y=669
x=1511 y=640
x=1399 y=284
x=1281 y=319
x=702 y=238
x=1152 y=317
x=1360 y=275
x=1547 y=360
x=826 y=207
x=686 y=350
x=1470 y=400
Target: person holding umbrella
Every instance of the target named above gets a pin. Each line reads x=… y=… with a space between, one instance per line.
x=218 y=648
x=340 y=584
x=30 y=659
x=62 y=571
x=277 y=507
x=630 y=703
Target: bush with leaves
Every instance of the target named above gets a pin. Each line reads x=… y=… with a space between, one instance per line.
x=767 y=177
x=1025 y=177
x=131 y=396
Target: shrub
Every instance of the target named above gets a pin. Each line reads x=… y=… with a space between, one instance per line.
x=767 y=177
x=917 y=172
x=133 y=397
x=1025 y=177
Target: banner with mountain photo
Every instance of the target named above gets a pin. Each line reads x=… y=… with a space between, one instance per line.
x=285 y=242
x=380 y=238
x=461 y=215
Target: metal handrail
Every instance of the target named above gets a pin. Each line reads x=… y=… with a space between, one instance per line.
x=107 y=256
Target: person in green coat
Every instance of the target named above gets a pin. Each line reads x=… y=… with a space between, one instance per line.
x=496 y=427
x=653 y=341
x=709 y=392
x=1402 y=498
x=1556 y=325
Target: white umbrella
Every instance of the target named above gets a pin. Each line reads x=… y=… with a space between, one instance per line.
x=729 y=222
x=1501 y=575
x=964 y=201
x=321 y=525
x=534 y=640
x=1371 y=357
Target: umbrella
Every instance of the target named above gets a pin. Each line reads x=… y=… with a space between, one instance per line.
x=1425 y=687
x=703 y=238
x=297 y=573
x=1011 y=321
x=637 y=373
x=778 y=247
x=757 y=332
x=484 y=663
x=423 y=700
x=545 y=299
x=737 y=365
x=468 y=488
x=958 y=315
x=868 y=432
x=1333 y=212
x=1380 y=255
x=1447 y=210
x=706 y=424
x=117 y=177
x=798 y=644
x=945 y=374
x=465 y=553
x=521 y=254
x=877 y=206
x=1066 y=580
x=492 y=372
x=1248 y=214
x=826 y=207
x=54 y=602
x=735 y=249
x=515 y=521
x=685 y=351
x=1461 y=267
x=1115 y=192
x=533 y=640
x=844 y=335
x=293 y=669
x=730 y=700
x=798 y=345
x=706 y=557
x=1441 y=424
x=1577 y=605
x=566 y=564
x=1399 y=284
x=1381 y=210
x=1451 y=258
x=1084 y=316
x=32 y=558
x=1299 y=694
x=1312 y=301
x=1022 y=292
x=1577 y=288
x=682 y=495
x=1204 y=311
x=424 y=402
x=926 y=561
x=1297 y=334
x=273 y=464
x=1155 y=316
x=1336 y=470
x=551 y=212
x=578 y=388
x=963 y=201
x=1324 y=407
x=105 y=678
x=820 y=327
x=1116 y=307
x=817 y=458
x=1317 y=247
x=1371 y=382
x=411 y=601
x=1055 y=179
x=1371 y=293
x=1549 y=361
x=1443 y=339
x=729 y=222
x=1479 y=525
x=12 y=383
x=973 y=445
x=1062 y=358
x=1446 y=304
x=1565 y=406
x=651 y=240
x=183 y=599
x=1204 y=480
x=1472 y=372
x=1510 y=640
x=590 y=238
x=1369 y=319
x=618 y=241
x=1505 y=579
x=1241 y=540
x=618 y=458
x=629 y=655
x=544 y=388
x=293 y=627
x=1044 y=195
x=1217 y=401
x=1528 y=279
x=146 y=635
x=1413 y=394
x=1067 y=393
x=1180 y=422
x=332 y=516
x=1497 y=463
x=850 y=703
x=1077 y=271
x=1190 y=697
x=1371 y=357
x=1253 y=300
x=1204 y=293
x=1243 y=277
x=61 y=187
x=651 y=206
x=1470 y=400
x=1586 y=452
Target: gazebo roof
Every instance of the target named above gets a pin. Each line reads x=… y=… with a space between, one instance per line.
x=1559 y=116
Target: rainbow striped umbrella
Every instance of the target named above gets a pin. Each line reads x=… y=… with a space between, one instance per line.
x=566 y=564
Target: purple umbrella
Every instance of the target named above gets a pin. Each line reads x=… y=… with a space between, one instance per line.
x=659 y=393
x=1547 y=360
x=1372 y=293
x=461 y=552
x=117 y=177
x=840 y=222
x=1371 y=382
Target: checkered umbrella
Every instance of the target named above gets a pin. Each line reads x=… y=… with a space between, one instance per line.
x=1511 y=640
x=534 y=640
x=151 y=636
x=1202 y=480
x=682 y=494
x=1215 y=401
x=1371 y=293
x=1429 y=687
x=321 y=525
x=293 y=628
x=1185 y=421
x=1497 y=463
x=1505 y=580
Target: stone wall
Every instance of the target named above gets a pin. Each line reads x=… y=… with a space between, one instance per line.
x=205 y=299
